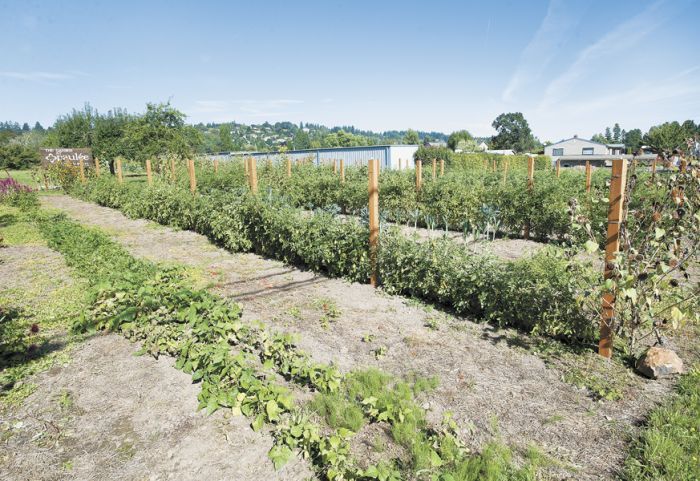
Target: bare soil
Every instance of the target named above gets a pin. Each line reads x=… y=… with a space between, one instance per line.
x=105 y=414
x=493 y=387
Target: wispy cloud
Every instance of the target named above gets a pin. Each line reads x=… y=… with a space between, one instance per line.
x=683 y=85
x=42 y=77
x=557 y=25
x=611 y=46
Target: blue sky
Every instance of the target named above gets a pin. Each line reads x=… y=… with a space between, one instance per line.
x=571 y=66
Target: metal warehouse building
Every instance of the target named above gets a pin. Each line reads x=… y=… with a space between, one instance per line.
x=388 y=155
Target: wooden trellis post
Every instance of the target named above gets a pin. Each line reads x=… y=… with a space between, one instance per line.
x=588 y=176
x=97 y=167
x=193 y=178
x=558 y=168
x=149 y=175
x=289 y=168
x=419 y=174
x=505 y=172
x=530 y=186
x=373 y=218
x=246 y=162
x=618 y=181
x=486 y=164
x=335 y=166
x=495 y=167
x=342 y=171
x=434 y=169
x=253 y=175
x=172 y=169
x=82 y=171
x=120 y=177
x=442 y=167
x=216 y=166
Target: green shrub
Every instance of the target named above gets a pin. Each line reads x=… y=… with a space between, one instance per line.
x=535 y=294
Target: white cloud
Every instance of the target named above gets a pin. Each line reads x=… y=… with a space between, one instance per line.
x=611 y=46
x=557 y=25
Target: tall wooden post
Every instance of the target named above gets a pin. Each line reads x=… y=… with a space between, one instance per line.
x=442 y=167
x=193 y=178
x=530 y=186
x=588 y=176
x=216 y=166
x=486 y=164
x=246 y=163
x=618 y=181
x=149 y=175
x=495 y=166
x=97 y=167
x=558 y=168
x=434 y=169
x=120 y=177
x=342 y=171
x=335 y=166
x=172 y=168
x=373 y=218
x=253 y=175
x=419 y=174
x=82 y=171
x=505 y=171
x=289 y=168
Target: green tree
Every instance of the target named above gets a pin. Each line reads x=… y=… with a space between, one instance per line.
x=600 y=138
x=666 y=137
x=161 y=131
x=513 y=132
x=108 y=137
x=633 y=140
x=301 y=140
x=411 y=137
x=460 y=136
x=608 y=135
x=74 y=130
x=225 y=139
x=616 y=133
x=38 y=127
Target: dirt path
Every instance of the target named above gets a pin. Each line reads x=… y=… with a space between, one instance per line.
x=484 y=381
x=109 y=415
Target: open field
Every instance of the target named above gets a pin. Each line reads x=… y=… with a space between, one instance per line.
x=371 y=385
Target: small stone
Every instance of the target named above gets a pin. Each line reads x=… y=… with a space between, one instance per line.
x=426 y=405
x=659 y=362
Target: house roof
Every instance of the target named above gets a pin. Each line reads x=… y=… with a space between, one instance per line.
x=577 y=138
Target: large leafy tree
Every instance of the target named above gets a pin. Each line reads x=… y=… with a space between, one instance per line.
x=109 y=136
x=513 y=132
x=160 y=131
x=411 y=137
x=462 y=140
x=633 y=140
x=666 y=137
x=301 y=140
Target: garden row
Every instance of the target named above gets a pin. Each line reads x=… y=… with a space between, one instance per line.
x=540 y=294
x=474 y=202
x=232 y=361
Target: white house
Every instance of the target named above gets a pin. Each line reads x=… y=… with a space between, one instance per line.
x=575 y=147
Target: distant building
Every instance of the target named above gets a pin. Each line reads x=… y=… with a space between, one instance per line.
x=500 y=152
x=388 y=155
x=482 y=147
x=575 y=151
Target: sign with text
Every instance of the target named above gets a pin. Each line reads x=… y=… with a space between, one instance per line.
x=66 y=156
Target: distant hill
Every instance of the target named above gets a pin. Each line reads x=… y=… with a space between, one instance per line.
x=241 y=137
